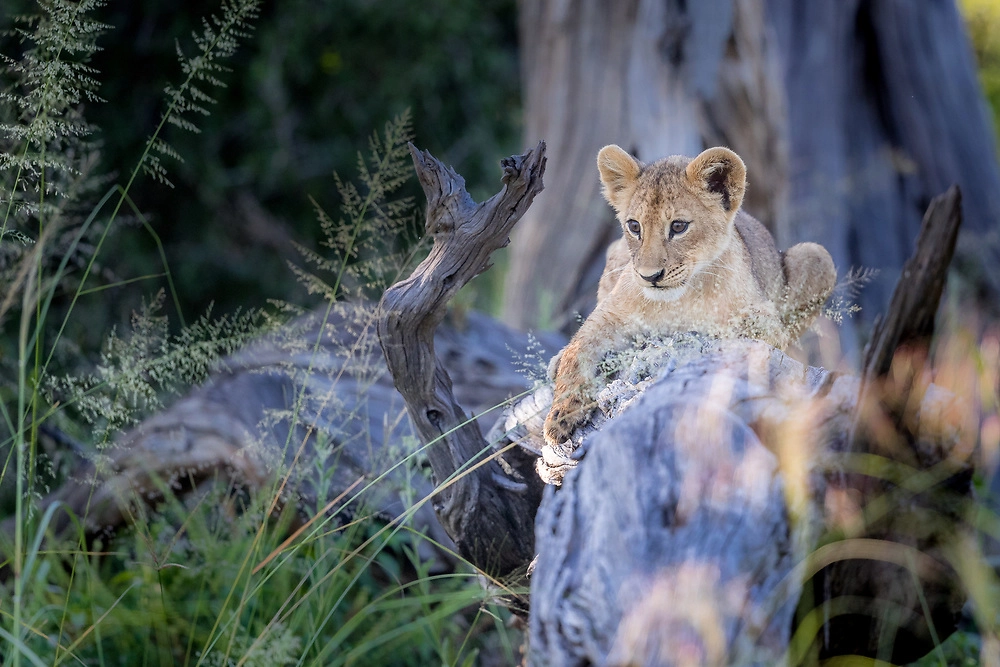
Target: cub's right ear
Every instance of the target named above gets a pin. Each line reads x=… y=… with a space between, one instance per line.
x=619 y=172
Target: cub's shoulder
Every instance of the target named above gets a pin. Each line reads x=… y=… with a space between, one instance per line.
x=617 y=260
x=765 y=260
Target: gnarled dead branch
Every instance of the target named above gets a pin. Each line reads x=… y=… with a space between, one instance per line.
x=488 y=511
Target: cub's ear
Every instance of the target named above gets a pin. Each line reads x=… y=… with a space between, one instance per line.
x=619 y=172
x=721 y=172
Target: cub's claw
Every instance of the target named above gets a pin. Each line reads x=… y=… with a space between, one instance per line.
x=563 y=419
x=556 y=459
x=556 y=433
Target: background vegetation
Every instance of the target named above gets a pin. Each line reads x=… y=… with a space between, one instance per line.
x=983 y=20
x=315 y=80
x=156 y=161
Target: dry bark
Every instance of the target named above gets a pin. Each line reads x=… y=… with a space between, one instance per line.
x=329 y=371
x=672 y=541
x=689 y=529
x=488 y=509
x=910 y=318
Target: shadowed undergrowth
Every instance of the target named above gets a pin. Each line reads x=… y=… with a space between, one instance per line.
x=215 y=578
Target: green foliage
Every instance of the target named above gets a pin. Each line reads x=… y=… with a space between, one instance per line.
x=962 y=649
x=133 y=374
x=213 y=580
x=316 y=78
x=371 y=243
x=218 y=40
x=982 y=18
x=45 y=159
x=182 y=588
x=53 y=80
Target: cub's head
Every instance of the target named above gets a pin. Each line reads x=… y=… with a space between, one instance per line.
x=677 y=213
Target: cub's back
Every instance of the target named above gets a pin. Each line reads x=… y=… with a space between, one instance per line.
x=765 y=260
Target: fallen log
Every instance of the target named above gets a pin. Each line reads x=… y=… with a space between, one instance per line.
x=312 y=401
x=703 y=502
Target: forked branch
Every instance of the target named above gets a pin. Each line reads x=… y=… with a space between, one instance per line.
x=487 y=511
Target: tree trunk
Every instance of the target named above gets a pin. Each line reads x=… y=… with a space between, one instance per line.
x=884 y=113
x=657 y=79
x=850 y=116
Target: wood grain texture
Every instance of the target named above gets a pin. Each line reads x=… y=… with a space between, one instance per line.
x=670 y=543
x=909 y=320
x=706 y=503
x=488 y=511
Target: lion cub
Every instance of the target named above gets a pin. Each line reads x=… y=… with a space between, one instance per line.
x=689 y=260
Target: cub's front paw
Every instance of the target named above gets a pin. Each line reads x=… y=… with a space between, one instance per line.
x=564 y=418
x=557 y=453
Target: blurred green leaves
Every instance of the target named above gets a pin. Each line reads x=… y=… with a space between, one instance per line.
x=313 y=82
x=982 y=18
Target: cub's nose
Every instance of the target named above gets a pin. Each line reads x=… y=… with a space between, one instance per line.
x=653 y=279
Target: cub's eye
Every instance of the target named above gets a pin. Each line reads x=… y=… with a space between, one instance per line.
x=633 y=227
x=678 y=227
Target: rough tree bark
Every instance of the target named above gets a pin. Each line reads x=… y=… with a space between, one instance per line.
x=487 y=509
x=851 y=115
x=884 y=113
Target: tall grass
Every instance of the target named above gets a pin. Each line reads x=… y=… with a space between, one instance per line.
x=215 y=578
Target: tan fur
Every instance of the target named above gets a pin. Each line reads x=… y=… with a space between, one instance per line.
x=721 y=275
